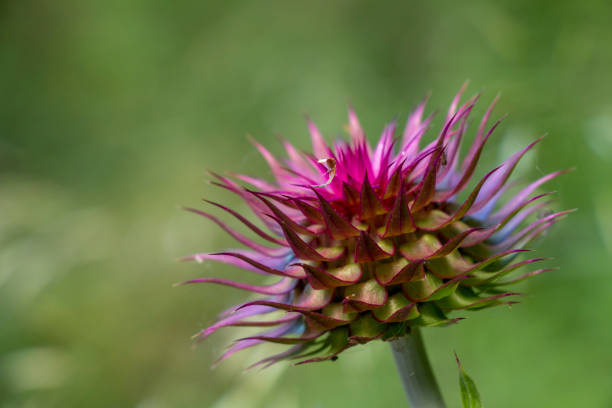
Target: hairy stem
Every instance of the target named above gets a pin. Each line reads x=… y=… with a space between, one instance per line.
x=413 y=365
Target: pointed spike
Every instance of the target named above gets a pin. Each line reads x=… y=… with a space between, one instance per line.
x=461 y=299
x=490 y=233
x=255 y=182
x=497 y=182
x=399 y=220
x=396 y=309
x=474 y=194
x=324 y=279
x=470 y=163
x=246 y=343
x=306 y=338
x=383 y=153
x=420 y=248
x=265 y=323
x=394 y=184
x=429 y=247
x=427 y=187
x=370 y=203
x=269 y=361
x=249 y=224
x=235 y=261
x=483 y=123
x=461 y=211
x=539 y=231
x=452 y=109
x=315 y=347
x=331 y=357
x=451 y=153
x=516 y=201
x=321 y=321
x=285 y=285
x=312 y=213
x=287 y=221
x=252 y=262
x=336 y=312
x=367 y=250
x=525 y=276
x=399 y=271
x=510 y=222
x=430 y=288
x=232 y=319
x=300 y=248
x=431 y=316
x=453 y=243
x=454 y=264
x=337 y=226
x=532 y=228
x=351 y=195
x=416 y=168
x=315 y=300
x=258 y=208
x=337 y=341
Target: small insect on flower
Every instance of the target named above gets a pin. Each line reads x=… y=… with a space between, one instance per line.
x=330 y=163
x=369 y=242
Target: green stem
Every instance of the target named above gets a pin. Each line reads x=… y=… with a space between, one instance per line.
x=413 y=365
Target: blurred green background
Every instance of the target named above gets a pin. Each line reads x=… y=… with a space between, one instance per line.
x=111 y=112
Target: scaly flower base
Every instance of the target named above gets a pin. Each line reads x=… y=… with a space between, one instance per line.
x=371 y=242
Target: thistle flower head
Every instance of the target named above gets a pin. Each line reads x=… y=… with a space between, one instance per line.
x=367 y=242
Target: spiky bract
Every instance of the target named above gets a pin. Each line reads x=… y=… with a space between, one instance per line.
x=367 y=243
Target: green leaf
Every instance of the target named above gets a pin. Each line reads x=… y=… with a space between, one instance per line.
x=469 y=394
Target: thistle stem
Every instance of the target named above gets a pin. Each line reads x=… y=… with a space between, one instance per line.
x=416 y=373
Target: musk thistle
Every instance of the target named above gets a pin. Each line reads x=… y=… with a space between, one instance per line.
x=372 y=243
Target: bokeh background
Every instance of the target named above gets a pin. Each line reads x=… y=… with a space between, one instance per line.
x=112 y=111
